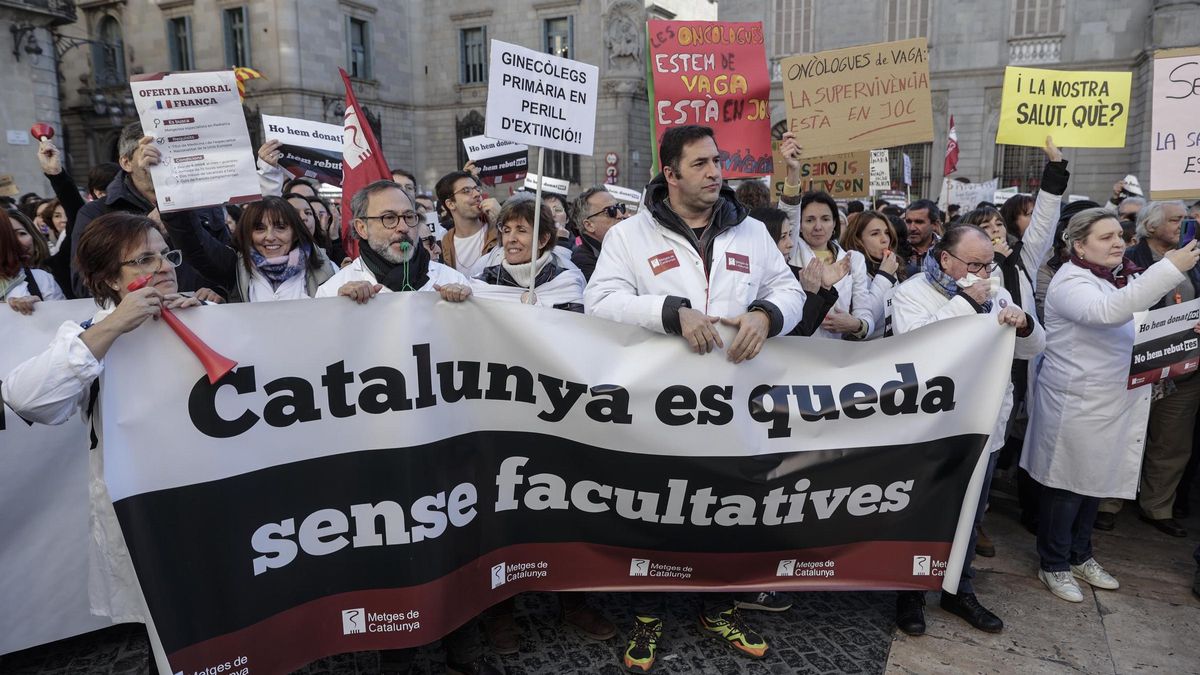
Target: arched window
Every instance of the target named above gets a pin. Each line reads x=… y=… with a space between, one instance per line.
x=108 y=54
x=466 y=127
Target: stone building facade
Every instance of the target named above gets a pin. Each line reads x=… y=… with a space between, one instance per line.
x=970 y=43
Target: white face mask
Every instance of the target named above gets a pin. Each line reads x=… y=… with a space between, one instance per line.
x=971 y=279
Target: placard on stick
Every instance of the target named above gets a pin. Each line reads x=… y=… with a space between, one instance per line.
x=859 y=98
x=541 y=100
x=309 y=149
x=1175 y=124
x=713 y=73
x=845 y=176
x=1081 y=109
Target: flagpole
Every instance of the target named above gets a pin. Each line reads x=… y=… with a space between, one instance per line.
x=537 y=218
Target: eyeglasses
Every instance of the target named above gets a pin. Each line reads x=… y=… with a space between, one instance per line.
x=153 y=261
x=975 y=267
x=391 y=221
x=611 y=211
x=469 y=190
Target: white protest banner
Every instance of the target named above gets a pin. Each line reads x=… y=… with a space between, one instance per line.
x=894 y=197
x=1004 y=194
x=624 y=194
x=376 y=497
x=880 y=179
x=555 y=185
x=198 y=125
x=541 y=100
x=497 y=161
x=44 y=501
x=310 y=149
x=1175 y=153
x=1165 y=344
x=967 y=195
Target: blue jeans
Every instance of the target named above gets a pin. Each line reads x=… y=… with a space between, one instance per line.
x=965 y=580
x=1065 y=528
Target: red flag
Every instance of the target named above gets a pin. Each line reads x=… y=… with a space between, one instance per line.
x=951 y=150
x=362 y=161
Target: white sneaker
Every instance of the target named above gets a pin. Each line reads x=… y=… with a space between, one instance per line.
x=1061 y=584
x=1094 y=574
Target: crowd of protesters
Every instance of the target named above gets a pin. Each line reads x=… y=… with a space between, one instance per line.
x=1066 y=278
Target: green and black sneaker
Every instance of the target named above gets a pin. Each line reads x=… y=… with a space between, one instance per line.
x=729 y=627
x=643 y=644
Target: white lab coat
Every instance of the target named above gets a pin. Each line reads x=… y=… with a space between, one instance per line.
x=854 y=289
x=439 y=275
x=882 y=288
x=565 y=288
x=918 y=302
x=49 y=389
x=46 y=283
x=626 y=288
x=1086 y=430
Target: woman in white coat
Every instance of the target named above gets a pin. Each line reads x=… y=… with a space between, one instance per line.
x=58 y=383
x=1086 y=432
x=22 y=286
x=871 y=234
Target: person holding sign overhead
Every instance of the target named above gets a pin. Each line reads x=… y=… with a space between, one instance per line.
x=692 y=258
x=1086 y=429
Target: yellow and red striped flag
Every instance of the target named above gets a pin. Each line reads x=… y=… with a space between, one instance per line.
x=242 y=74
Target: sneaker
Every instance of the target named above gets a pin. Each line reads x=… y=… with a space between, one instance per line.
x=643 y=644
x=768 y=601
x=729 y=627
x=502 y=632
x=1095 y=575
x=589 y=622
x=1061 y=584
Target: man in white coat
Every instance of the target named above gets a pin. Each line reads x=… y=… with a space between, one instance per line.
x=392 y=261
x=955 y=281
x=689 y=259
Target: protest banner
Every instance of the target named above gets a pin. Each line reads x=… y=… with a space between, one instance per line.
x=198 y=126
x=894 y=197
x=1081 y=109
x=880 y=178
x=44 y=502
x=713 y=73
x=309 y=149
x=1175 y=154
x=624 y=194
x=377 y=498
x=1002 y=195
x=859 y=98
x=966 y=195
x=497 y=161
x=541 y=100
x=843 y=176
x=1165 y=344
x=557 y=186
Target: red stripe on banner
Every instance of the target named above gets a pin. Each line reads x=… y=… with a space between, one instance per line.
x=398 y=618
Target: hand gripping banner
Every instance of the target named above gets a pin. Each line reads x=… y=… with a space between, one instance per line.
x=373 y=476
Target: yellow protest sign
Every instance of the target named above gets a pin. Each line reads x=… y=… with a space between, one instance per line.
x=845 y=176
x=859 y=98
x=1081 y=109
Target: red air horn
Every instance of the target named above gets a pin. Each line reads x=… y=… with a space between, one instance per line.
x=42 y=131
x=214 y=364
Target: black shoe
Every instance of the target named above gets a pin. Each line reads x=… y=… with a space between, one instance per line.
x=479 y=666
x=910 y=612
x=1105 y=521
x=966 y=605
x=1165 y=525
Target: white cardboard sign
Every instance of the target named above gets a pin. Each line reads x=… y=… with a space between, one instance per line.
x=541 y=100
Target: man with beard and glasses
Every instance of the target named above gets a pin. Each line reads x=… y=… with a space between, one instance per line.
x=392 y=260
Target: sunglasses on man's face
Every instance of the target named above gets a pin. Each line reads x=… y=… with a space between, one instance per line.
x=610 y=211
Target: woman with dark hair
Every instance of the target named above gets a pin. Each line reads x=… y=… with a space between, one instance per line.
x=1016 y=213
x=53 y=386
x=54 y=219
x=871 y=234
x=560 y=213
x=557 y=286
x=21 y=284
x=272 y=255
x=817 y=279
x=326 y=235
x=1087 y=428
x=856 y=312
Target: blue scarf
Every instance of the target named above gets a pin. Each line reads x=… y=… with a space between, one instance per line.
x=944 y=282
x=280 y=269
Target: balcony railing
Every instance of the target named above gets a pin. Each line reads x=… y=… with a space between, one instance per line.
x=60 y=11
x=1034 y=51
